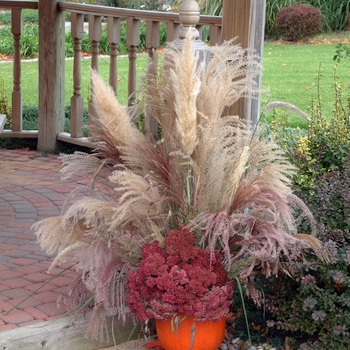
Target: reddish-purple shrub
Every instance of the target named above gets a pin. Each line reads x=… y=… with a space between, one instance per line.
x=298 y=21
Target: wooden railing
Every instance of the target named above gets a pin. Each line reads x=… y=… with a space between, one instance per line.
x=51 y=59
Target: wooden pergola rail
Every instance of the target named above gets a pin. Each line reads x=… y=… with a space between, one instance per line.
x=51 y=15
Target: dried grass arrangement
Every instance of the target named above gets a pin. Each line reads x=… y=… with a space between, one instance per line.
x=210 y=172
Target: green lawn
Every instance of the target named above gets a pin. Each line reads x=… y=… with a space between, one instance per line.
x=29 y=81
x=290 y=74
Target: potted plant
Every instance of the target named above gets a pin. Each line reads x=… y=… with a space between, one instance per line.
x=210 y=176
x=180 y=283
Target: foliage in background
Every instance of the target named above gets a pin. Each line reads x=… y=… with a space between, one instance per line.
x=29 y=40
x=30 y=46
x=334 y=14
x=5 y=105
x=341 y=51
x=316 y=300
x=28 y=15
x=298 y=21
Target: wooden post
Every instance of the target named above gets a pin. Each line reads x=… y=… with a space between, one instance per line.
x=51 y=74
x=245 y=19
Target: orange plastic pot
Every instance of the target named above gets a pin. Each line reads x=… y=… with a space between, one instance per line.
x=208 y=334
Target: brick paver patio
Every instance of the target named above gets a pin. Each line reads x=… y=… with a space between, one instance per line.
x=30 y=189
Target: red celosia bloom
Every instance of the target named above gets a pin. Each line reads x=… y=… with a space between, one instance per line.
x=179 y=278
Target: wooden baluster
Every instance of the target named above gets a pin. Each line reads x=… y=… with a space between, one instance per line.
x=113 y=37
x=152 y=36
x=172 y=31
x=132 y=41
x=17 y=93
x=152 y=43
x=215 y=35
x=76 y=102
x=95 y=34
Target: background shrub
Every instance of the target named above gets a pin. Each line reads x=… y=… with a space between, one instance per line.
x=298 y=21
x=30 y=118
x=315 y=302
x=5 y=105
x=29 y=40
x=29 y=16
x=334 y=14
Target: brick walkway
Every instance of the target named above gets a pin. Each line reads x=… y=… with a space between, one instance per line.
x=30 y=189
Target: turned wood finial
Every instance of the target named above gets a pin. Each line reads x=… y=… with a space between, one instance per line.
x=189 y=18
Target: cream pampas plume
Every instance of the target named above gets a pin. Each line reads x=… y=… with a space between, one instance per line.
x=186 y=84
x=113 y=124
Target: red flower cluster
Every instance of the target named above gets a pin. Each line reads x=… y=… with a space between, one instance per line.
x=181 y=278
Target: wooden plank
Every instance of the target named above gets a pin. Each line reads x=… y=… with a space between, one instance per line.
x=2 y=122
x=138 y=344
x=130 y=13
x=79 y=141
x=235 y=23
x=19 y=4
x=32 y=134
x=59 y=334
x=235 y=20
x=245 y=19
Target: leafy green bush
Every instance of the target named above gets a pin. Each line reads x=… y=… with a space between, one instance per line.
x=28 y=15
x=6 y=41
x=29 y=41
x=5 y=18
x=316 y=300
x=334 y=13
x=298 y=21
x=341 y=51
x=5 y=106
x=30 y=118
